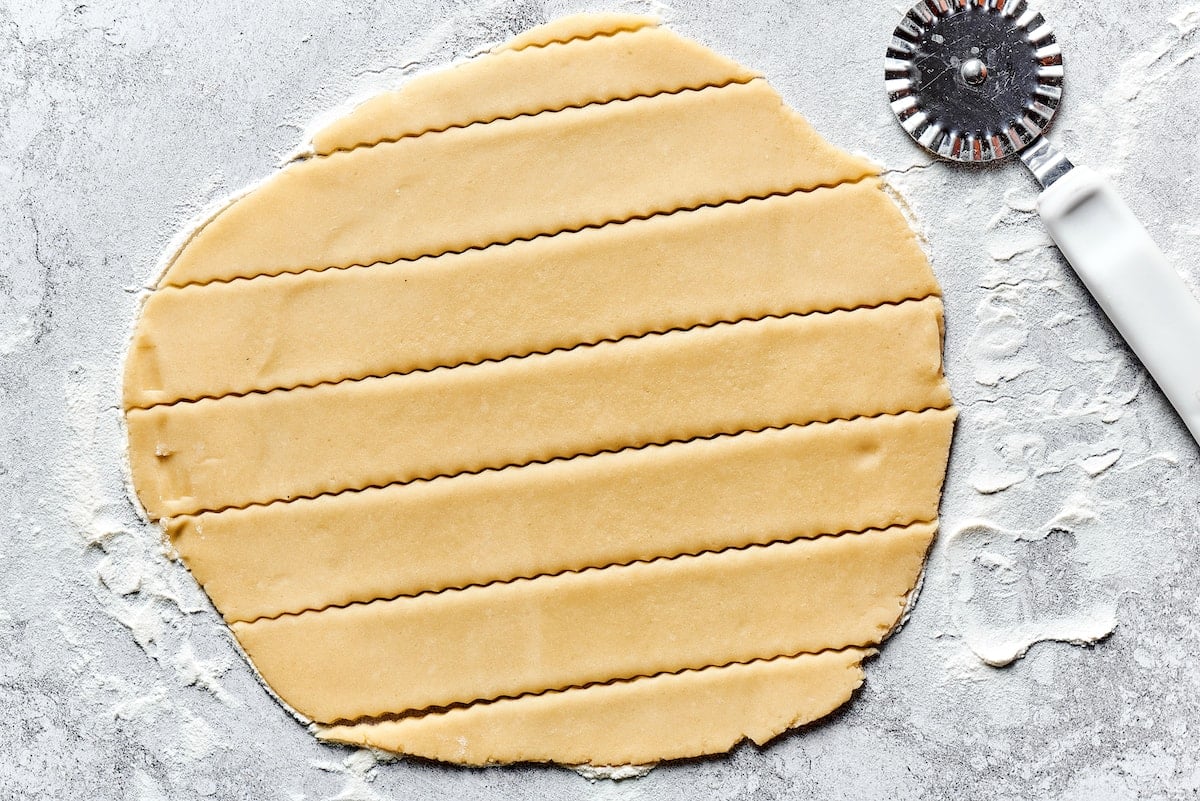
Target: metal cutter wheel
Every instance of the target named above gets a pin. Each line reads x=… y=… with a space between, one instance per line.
x=980 y=80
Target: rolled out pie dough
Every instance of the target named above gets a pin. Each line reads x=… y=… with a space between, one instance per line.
x=577 y=403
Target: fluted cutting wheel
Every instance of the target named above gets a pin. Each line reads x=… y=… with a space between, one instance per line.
x=974 y=80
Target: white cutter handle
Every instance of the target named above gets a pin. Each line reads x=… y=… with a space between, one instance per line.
x=1129 y=276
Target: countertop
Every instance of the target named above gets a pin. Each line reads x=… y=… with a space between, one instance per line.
x=1071 y=510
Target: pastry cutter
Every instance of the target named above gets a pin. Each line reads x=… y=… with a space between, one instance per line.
x=978 y=81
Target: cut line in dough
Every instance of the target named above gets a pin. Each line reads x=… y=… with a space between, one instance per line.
x=383 y=203
x=816 y=252
x=565 y=571
x=605 y=397
x=699 y=87
x=575 y=28
x=689 y=713
x=597 y=66
x=611 y=340
x=542 y=519
x=455 y=647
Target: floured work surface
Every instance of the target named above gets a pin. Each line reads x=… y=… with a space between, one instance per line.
x=578 y=403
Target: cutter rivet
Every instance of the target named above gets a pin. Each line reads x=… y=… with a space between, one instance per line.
x=974 y=71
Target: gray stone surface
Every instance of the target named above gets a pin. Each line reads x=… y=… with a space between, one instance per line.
x=1071 y=505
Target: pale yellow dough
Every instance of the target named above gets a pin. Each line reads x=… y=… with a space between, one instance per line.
x=577 y=403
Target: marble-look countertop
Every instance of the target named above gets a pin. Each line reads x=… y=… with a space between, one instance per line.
x=1071 y=508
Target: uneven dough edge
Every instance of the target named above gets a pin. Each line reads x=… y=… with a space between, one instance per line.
x=663 y=717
